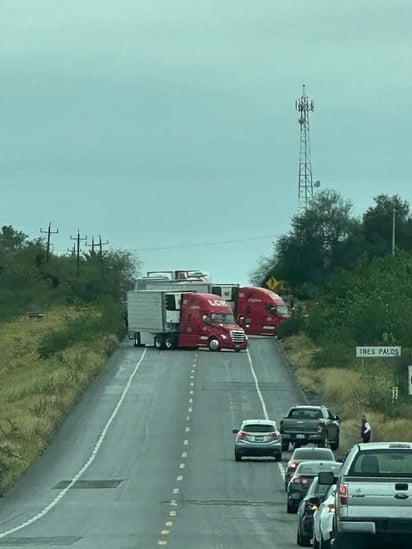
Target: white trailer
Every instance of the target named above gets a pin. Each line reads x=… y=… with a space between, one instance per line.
x=147 y=314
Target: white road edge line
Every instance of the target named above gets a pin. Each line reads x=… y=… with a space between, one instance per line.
x=262 y=401
x=88 y=462
x=265 y=412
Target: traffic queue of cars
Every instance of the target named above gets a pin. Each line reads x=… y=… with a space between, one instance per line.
x=305 y=494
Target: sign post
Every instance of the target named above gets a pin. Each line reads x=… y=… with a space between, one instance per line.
x=385 y=352
x=410 y=380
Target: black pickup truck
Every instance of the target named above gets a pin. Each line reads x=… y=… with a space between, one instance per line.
x=310 y=424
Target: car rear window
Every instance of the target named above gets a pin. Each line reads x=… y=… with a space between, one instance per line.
x=305 y=413
x=257 y=428
x=315 y=468
x=385 y=462
x=314 y=453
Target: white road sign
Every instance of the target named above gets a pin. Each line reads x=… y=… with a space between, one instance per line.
x=378 y=352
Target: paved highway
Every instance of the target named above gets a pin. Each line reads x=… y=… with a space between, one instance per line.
x=145 y=460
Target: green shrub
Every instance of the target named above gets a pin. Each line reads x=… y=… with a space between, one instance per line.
x=290 y=326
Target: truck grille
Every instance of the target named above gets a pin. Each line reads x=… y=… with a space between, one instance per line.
x=237 y=336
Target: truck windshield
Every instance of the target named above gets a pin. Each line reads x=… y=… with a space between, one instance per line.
x=277 y=310
x=222 y=318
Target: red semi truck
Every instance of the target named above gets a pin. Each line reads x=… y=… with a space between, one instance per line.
x=182 y=319
x=258 y=310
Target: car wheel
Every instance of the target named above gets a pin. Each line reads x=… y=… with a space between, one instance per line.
x=214 y=344
x=238 y=457
x=158 y=342
x=170 y=342
x=303 y=541
x=278 y=457
x=334 y=445
x=290 y=508
x=316 y=544
x=285 y=446
x=324 y=544
x=322 y=444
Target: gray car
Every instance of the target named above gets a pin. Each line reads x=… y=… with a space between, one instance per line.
x=258 y=437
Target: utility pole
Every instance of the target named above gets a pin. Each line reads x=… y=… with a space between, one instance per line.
x=78 y=239
x=393 y=230
x=49 y=232
x=99 y=245
x=305 y=185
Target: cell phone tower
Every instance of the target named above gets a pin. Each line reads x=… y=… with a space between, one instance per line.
x=305 y=185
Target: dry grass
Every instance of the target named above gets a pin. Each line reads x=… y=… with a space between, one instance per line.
x=349 y=393
x=36 y=394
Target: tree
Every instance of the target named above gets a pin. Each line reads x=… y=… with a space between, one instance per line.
x=377 y=225
x=323 y=237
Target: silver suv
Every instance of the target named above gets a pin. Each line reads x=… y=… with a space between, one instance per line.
x=258 y=437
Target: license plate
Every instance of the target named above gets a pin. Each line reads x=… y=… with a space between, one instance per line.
x=258 y=439
x=300 y=436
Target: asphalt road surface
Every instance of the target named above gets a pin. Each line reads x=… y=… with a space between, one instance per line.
x=146 y=460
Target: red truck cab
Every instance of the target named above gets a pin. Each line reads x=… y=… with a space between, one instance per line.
x=207 y=321
x=259 y=311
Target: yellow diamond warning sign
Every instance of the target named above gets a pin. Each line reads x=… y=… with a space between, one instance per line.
x=272 y=283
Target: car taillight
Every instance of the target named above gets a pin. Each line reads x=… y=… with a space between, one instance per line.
x=276 y=435
x=300 y=480
x=292 y=465
x=241 y=434
x=343 y=494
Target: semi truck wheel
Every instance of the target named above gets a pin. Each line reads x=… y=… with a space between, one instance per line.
x=170 y=342
x=214 y=344
x=136 y=341
x=159 y=342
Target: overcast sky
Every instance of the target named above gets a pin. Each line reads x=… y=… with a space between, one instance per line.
x=168 y=127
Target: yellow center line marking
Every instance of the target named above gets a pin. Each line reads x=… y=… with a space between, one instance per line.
x=179 y=478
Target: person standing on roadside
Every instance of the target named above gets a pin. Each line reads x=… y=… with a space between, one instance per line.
x=366 y=429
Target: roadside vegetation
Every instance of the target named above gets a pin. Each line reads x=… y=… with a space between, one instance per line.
x=351 y=279
x=60 y=320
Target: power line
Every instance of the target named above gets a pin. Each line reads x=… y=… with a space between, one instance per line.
x=203 y=244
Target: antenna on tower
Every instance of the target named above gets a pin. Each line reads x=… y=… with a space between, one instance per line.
x=305 y=185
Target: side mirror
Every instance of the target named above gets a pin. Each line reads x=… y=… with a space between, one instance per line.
x=315 y=500
x=336 y=418
x=235 y=431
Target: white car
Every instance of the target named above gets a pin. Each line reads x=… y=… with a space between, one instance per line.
x=323 y=520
